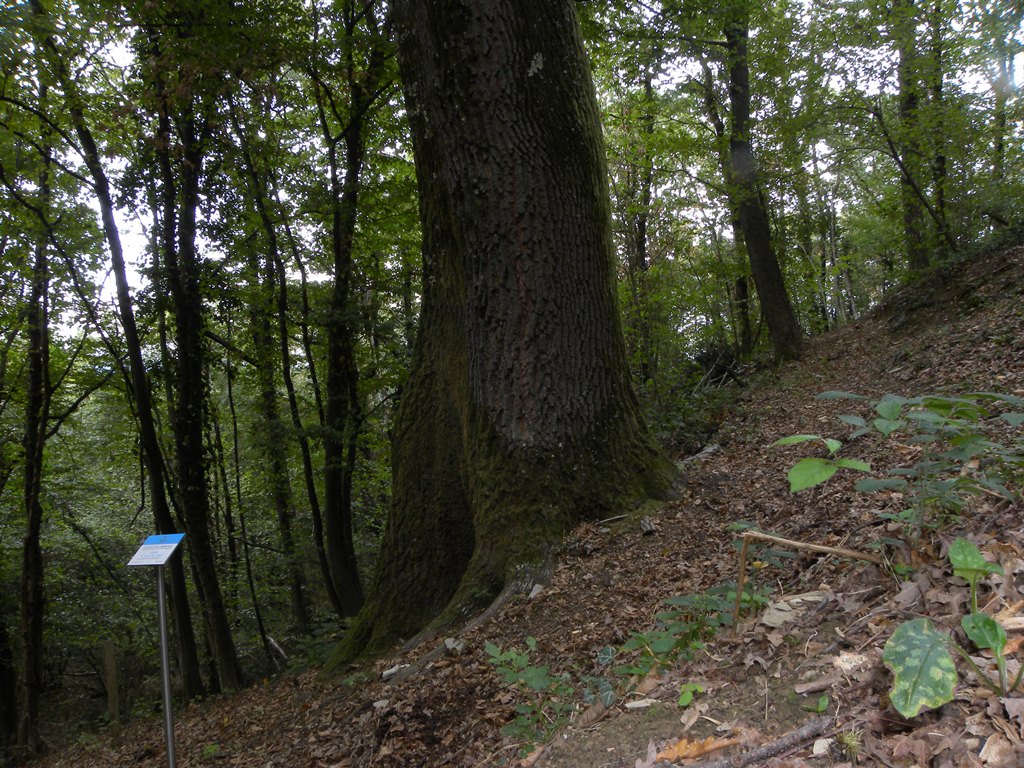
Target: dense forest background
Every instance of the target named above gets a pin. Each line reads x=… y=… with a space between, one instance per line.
x=210 y=245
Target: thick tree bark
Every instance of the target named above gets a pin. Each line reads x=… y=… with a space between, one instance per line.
x=749 y=200
x=518 y=419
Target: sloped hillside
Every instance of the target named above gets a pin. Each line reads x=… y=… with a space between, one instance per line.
x=818 y=669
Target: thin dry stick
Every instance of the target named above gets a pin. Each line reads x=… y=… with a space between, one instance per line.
x=748 y=535
x=809 y=731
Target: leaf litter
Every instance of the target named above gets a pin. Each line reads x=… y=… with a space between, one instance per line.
x=762 y=682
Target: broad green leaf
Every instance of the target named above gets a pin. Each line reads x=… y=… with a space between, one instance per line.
x=923 y=671
x=606 y=656
x=793 y=439
x=871 y=484
x=835 y=395
x=662 y=645
x=927 y=417
x=889 y=407
x=537 y=678
x=860 y=466
x=888 y=426
x=1013 y=419
x=1011 y=400
x=853 y=421
x=984 y=631
x=807 y=473
x=968 y=562
x=833 y=445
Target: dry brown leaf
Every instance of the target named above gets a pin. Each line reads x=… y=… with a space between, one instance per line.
x=591 y=715
x=684 y=748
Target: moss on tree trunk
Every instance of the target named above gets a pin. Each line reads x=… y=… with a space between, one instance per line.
x=518 y=420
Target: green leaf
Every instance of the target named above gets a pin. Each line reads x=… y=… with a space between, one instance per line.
x=860 y=466
x=984 y=631
x=537 y=678
x=1012 y=400
x=968 y=563
x=833 y=445
x=889 y=407
x=686 y=693
x=888 y=426
x=606 y=656
x=923 y=671
x=871 y=484
x=853 y=421
x=663 y=645
x=807 y=473
x=1013 y=419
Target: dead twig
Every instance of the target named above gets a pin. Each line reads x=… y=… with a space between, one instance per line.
x=807 y=732
x=748 y=535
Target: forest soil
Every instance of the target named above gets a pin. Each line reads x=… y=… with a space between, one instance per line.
x=959 y=330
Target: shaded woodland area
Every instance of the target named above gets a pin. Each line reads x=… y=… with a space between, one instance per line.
x=375 y=301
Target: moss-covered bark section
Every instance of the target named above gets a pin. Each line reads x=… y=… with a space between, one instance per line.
x=518 y=420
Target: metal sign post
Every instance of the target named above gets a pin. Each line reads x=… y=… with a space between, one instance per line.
x=157 y=550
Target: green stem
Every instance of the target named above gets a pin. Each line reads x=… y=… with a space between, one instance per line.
x=982 y=677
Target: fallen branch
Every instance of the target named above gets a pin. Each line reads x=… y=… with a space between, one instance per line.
x=809 y=731
x=748 y=535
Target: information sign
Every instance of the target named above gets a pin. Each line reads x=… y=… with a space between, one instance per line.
x=157 y=550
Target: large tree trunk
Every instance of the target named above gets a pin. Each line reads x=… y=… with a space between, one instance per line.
x=518 y=419
x=749 y=201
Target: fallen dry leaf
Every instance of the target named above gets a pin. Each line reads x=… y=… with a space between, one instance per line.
x=684 y=748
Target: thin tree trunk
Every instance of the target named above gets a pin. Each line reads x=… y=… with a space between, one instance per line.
x=750 y=202
x=8 y=687
x=343 y=405
x=152 y=455
x=740 y=286
x=272 y=434
x=37 y=410
x=293 y=409
x=909 y=76
x=249 y=578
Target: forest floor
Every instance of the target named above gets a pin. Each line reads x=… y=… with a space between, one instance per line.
x=803 y=683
